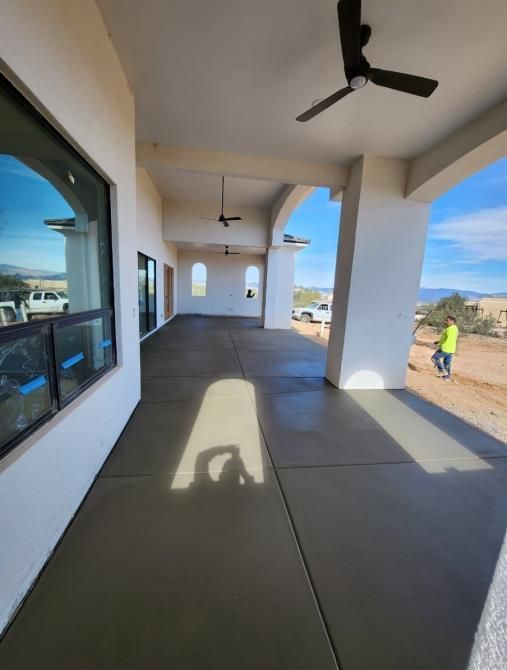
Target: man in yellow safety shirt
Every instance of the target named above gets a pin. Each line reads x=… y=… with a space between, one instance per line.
x=446 y=348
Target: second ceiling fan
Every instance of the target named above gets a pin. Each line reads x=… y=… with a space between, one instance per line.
x=223 y=219
x=354 y=36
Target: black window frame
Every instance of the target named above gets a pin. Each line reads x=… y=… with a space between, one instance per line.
x=46 y=326
x=146 y=294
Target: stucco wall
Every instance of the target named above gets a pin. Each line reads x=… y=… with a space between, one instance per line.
x=60 y=53
x=149 y=237
x=225 y=293
x=183 y=223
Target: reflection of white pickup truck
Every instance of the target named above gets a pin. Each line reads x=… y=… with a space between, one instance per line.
x=314 y=311
x=8 y=313
x=46 y=302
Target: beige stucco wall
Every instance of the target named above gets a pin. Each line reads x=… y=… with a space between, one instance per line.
x=59 y=52
x=494 y=307
x=225 y=294
x=150 y=240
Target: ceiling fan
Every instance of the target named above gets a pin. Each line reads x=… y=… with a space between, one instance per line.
x=223 y=219
x=230 y=253
x=354 y=36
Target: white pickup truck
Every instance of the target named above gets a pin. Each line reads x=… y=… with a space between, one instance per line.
x=314 y=311
x=46 y=302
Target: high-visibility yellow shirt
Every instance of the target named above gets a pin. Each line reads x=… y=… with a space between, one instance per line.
x=447 y=342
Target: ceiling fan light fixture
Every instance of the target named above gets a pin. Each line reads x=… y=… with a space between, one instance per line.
x=358 y=82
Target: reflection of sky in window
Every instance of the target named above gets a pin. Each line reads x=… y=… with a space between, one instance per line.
x=26 y=199
x=199 y=272
x=252 y=276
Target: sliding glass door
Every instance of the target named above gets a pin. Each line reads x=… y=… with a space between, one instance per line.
x=147 y=289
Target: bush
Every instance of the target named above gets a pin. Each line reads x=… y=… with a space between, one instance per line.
x=303 y=296
x=467 y=319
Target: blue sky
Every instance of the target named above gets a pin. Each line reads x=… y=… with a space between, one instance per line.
x=467 y=236
x=26 y=199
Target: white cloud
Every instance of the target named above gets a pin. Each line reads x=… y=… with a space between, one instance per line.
x=480 y=236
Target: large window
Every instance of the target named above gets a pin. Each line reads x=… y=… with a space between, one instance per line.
x=147 y=290
x=56 y=308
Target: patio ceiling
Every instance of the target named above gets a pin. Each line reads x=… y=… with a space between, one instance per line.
x=232 y=76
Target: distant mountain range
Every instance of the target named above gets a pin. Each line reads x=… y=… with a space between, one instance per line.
x=27 y=273
x=436 y=294
x=429 y=294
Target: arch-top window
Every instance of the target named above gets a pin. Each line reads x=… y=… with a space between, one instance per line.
x=252 y=282
x=199 y=279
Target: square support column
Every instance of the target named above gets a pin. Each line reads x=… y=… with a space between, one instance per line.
x=279 y=288
x=380 y=255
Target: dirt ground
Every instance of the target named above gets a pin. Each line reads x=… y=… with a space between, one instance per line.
x=478 y=390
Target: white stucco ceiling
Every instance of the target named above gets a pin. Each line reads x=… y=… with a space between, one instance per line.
x=180 y=185
x=232 y=76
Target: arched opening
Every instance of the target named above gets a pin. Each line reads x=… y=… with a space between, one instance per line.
x=199 y=280
x=252 y=282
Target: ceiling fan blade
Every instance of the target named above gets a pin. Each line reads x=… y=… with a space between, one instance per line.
x=349 y=20
x=324 y=104
x=205 y=218
x=233 y=218
x=407 y=83
x=226 y=223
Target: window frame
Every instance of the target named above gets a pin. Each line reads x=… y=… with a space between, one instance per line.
x=48 y=323
x=147 y=293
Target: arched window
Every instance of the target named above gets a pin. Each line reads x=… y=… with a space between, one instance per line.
x=199 y=279
x=252 y=282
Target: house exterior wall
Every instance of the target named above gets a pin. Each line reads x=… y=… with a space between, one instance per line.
x=495 y=307
x=59 y=54
x=225 y=294
x=150 y=240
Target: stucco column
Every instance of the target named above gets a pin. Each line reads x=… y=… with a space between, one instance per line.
x=380 y=255
x=279 y=288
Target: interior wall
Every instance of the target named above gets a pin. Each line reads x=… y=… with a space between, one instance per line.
x=150 y=240
x=225 y=294
x=60 y=54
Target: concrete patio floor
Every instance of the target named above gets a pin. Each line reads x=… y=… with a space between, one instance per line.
x=252 y=516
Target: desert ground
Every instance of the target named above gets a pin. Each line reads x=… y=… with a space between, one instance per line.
x=478 y=390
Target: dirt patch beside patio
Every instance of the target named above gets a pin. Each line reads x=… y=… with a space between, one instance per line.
x=478 y=390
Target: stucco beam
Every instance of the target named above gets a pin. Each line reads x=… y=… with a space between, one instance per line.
x=468 y=150
x=240 y=165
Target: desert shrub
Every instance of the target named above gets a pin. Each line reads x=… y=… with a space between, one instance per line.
x=467 y=319
x=303 y=296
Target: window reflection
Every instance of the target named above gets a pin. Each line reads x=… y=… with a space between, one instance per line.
x=25 y=395
x=82 y=350
x=54 y=269
x=54 y=236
